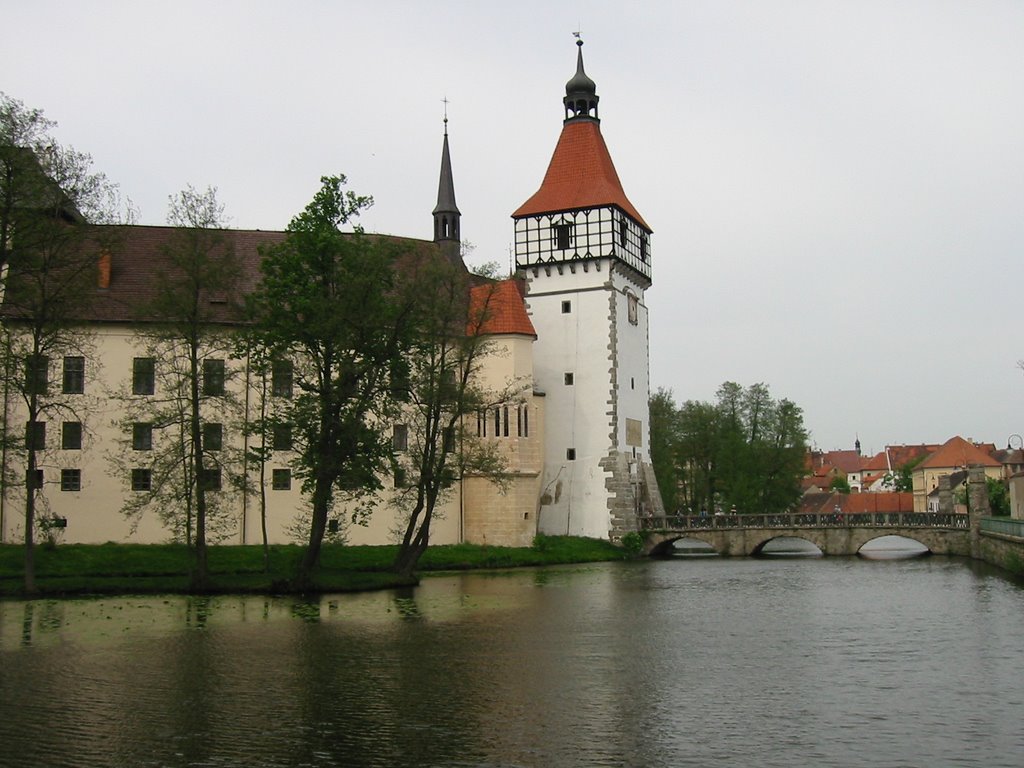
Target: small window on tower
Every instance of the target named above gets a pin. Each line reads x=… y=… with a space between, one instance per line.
x=569 y=379
x=643 y=248
x=622 y=233
x=570 y=454
x=562 y=236
x=566 y=307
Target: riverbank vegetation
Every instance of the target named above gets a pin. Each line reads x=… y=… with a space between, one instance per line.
x=81 y=569
x=744 y=452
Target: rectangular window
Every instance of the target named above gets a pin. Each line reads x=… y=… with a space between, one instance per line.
x=281 y=373
x=71 y=436
x=71 y=479
x=34 y=480
x=35 y=435
x=562 y=235
x=400 y=437
x=37 y=374
x=566 y=307
x=523 y=420
x=643 y=248
x=497 y=422
x=622 y=233
x=569 y=379
x=448 y=440
x=74 y=375
x=281 y=440
x=142 y=437
x=401 y=478
x=481 y=424
x=143 y=376
x=504 y=426
x=282 y=480
x=213 y=436
x=213 y=378
x=210 y=479
x=142 y=479
x=570 y=454
x=449 y=384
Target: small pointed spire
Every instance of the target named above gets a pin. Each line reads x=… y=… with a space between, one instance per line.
x=446 y=212
x=580 y=92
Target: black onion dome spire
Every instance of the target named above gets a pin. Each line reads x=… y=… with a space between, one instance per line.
x=446 y=212
x=580 y=92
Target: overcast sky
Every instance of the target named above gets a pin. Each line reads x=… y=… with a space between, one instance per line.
x=836 y=188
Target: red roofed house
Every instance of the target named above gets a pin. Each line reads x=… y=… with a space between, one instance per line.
x=955 y=454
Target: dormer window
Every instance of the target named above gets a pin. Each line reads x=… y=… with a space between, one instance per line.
x=562 y=236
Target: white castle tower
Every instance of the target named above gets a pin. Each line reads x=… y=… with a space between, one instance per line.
x=585 y=253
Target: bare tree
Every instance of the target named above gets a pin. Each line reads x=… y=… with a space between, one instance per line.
x=188 y=331
x=447 y=396
x=49 y=196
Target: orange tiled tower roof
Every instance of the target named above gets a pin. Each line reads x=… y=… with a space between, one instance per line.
x=581 y=174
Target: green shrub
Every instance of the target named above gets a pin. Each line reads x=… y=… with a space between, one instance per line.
x=633 y=543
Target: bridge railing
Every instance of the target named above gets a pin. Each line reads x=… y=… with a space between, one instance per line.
x=806 y=520
x=1006 y=526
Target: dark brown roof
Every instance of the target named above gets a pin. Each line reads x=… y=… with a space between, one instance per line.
x=139 y=254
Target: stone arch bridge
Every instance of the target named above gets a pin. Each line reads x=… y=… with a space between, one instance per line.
x=833 y=534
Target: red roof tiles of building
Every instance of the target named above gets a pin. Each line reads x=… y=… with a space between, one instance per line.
x=855 y=503
x=877 y=463
x=957 y=452
x=848 y=461
x=901 y=455
x=580 y=175
x=498 y=308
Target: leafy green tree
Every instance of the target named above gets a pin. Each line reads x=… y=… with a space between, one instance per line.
x=48 y=272
x=839 y=484
x=665 y=439
x=746 y=450
x=331 y=303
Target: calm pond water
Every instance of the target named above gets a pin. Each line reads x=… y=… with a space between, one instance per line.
x=685 y=662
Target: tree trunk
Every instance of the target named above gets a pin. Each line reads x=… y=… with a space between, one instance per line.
x=201 y=571
x=30 y=509
x=318 y=526
x=30 y=494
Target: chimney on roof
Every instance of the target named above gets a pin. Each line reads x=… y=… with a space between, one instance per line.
x=103 y=276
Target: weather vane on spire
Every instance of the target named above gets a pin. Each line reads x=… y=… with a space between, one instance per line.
x=577 y=34
x=445 y=100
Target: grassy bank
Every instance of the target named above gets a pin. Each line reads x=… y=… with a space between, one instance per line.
x=163 y=568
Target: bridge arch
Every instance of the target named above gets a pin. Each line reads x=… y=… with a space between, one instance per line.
x=746 y=535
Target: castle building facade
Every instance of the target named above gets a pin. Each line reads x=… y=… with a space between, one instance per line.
x=571 y=325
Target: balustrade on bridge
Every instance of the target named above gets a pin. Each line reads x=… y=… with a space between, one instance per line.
x=806 y=520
